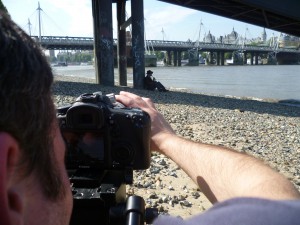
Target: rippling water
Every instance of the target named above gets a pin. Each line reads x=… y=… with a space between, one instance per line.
x=260 y=81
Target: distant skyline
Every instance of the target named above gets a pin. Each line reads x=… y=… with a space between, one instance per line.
x=162 y=20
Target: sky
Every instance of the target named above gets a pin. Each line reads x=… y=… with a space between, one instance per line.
x=162 y=21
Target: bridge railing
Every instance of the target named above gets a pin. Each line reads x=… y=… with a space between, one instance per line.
x=67 y=40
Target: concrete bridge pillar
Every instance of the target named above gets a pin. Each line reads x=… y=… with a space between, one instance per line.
x=222 y=58
x=252 y=55
x=122 y=59
x=175 y=58
x=52 y=53
x=138 y=51
x=256 y=58
x=245 y=58
x=211 y=57
x=103 y=42
x=169 y=58
x=179 y=58
x=218 y=58
x=193 y=57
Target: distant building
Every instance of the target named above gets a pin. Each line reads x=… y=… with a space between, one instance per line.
x=232 y=38
x=288 y=41
x=52 y=53
x=262 y=40
x=209 y=38
x=284 y=41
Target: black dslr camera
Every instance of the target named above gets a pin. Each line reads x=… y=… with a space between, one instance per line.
x=105 y=142
x=101 y=133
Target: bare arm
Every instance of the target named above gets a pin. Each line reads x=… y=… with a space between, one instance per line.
x=221 y=173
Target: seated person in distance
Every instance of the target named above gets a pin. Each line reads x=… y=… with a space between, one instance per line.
x=151 y=84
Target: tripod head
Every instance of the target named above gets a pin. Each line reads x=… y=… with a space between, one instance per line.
x=103 y=200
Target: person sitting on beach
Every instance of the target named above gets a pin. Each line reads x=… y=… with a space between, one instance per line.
x=151 y=84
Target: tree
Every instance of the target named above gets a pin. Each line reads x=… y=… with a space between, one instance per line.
x=204 y=55
x=160 y=55
x=228 y=55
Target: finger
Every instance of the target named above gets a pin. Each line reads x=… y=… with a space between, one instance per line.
x=131 y=100
x=130 y=95
x=135 y=98
x=125 y=100
x=149 y=102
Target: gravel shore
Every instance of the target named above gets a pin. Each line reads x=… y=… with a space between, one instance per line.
x=267 y=130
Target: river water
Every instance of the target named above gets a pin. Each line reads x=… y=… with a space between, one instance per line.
x=279 y=82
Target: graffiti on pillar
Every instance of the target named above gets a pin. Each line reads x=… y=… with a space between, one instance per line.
x=136 y=41
x=105 y=53
x=137 y=57
x=123 y=58
x=106 y=44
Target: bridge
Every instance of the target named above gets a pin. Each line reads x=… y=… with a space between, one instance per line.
x=87 y=43
x=177 y=47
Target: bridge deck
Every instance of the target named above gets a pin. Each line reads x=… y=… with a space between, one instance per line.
x=87 y=43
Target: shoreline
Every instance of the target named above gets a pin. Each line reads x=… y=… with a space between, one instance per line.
x=277 y=83
x=266 y=130
x=287 y=102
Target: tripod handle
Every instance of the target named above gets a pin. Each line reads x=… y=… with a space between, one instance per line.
x=135 y=210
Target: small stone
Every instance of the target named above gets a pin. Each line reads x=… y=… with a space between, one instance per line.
x=152 y=195
x=195 y=194
x=185 y=203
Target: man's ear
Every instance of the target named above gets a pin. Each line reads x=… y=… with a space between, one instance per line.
x=11 y=204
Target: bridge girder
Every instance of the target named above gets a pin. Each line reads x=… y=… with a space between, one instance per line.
x=279 y=15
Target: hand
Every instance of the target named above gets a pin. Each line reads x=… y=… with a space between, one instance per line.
x=160 y=128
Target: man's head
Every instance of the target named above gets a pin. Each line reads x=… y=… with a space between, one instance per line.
x=149 y=72
x=27 y=115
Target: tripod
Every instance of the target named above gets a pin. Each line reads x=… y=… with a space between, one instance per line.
x=100 y=198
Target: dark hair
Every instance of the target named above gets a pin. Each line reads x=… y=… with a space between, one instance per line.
x=27 y=111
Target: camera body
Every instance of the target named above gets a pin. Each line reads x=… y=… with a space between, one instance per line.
x=101 y=133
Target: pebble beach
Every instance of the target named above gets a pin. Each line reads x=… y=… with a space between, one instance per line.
x=265 y=129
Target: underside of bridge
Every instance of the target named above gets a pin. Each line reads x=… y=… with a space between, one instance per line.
x=279 y=15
